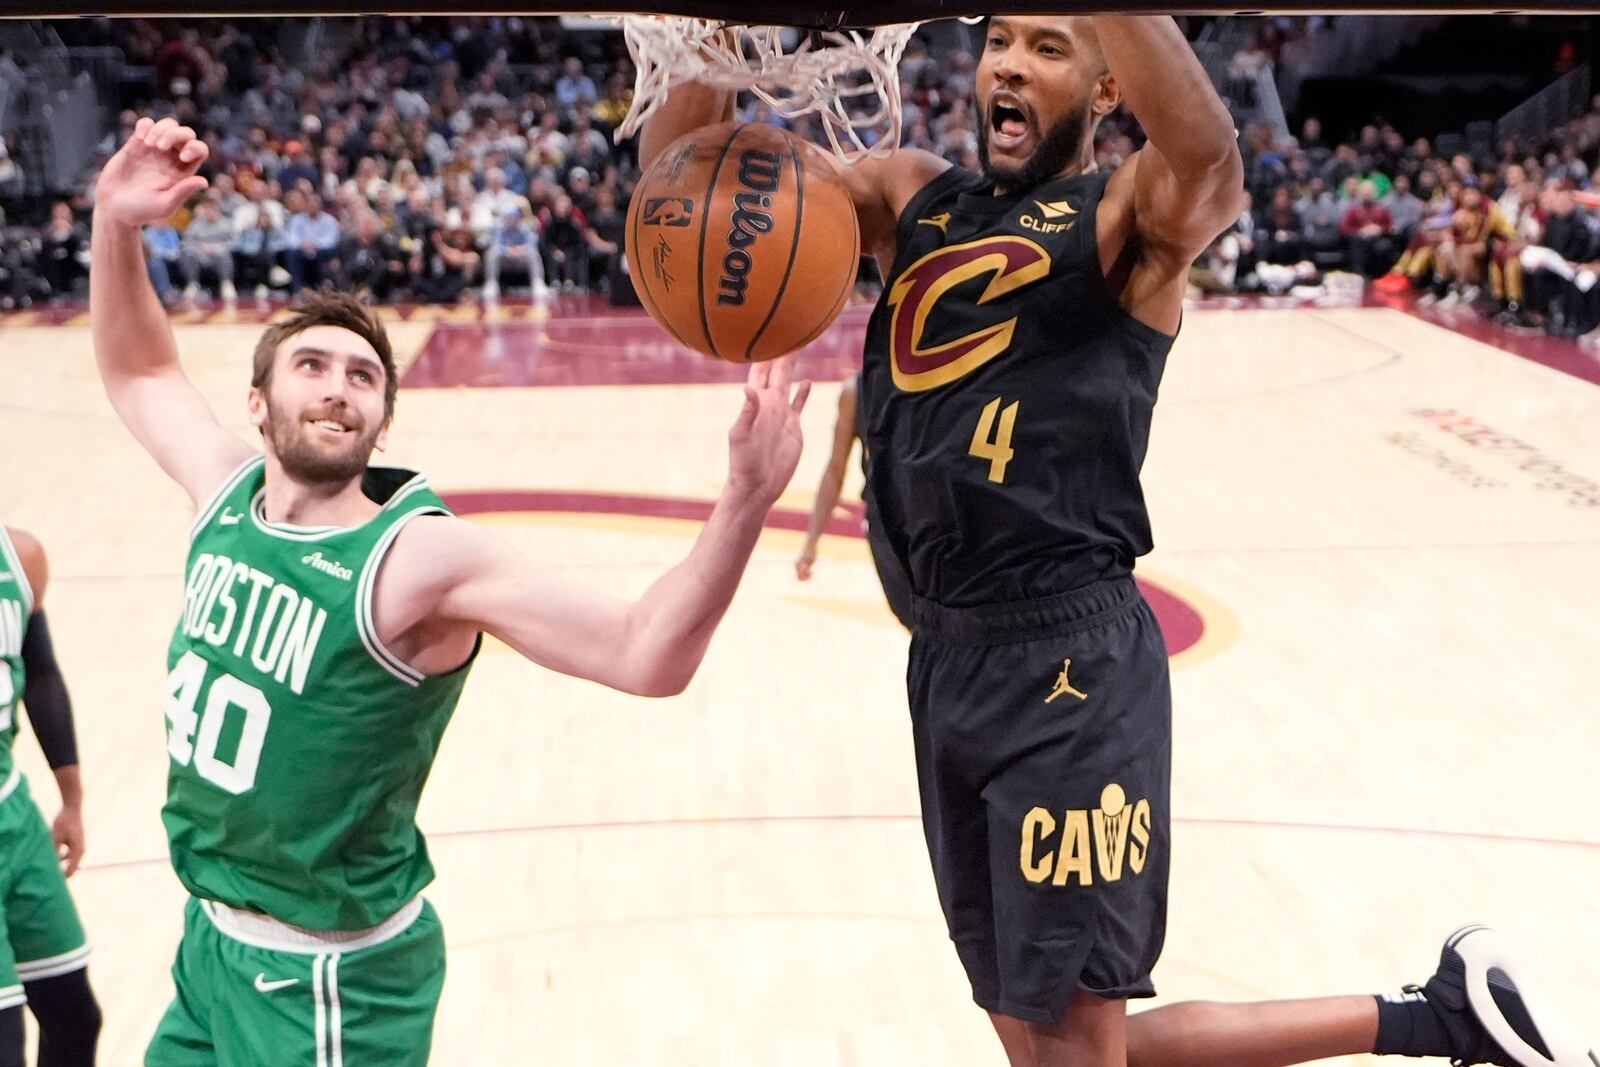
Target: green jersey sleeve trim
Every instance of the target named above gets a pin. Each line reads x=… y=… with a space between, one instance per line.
x=368 y=582
x=240 y=472
x=13 y=562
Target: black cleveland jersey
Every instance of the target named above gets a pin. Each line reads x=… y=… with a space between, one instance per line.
x=1006 y=396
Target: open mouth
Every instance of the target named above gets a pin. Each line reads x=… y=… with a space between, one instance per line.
x=1008 y=121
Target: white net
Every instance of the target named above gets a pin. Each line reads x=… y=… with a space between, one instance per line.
x=850 y=80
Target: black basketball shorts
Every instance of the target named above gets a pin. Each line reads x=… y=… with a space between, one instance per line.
x=1043 y=734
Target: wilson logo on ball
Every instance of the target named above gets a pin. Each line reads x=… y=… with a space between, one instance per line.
x=668 y=211
x=752 y=216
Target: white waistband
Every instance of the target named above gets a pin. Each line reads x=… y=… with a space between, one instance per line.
x=9 y=786
x=263 y=931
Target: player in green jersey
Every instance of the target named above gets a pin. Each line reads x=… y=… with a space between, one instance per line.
x=44 y=956
x=331 y=611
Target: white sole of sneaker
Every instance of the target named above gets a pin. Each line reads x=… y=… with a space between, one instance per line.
x=1482 y=951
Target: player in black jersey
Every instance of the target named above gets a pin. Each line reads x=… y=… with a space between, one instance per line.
x=1011 y=369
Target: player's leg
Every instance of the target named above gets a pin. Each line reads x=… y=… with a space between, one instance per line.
x=12 y=1038
x=1075 y=724
x=1480 y=1006
x=69 y=1018
x=183 y=1038
x=1092 y=1033
x=47 y=939
x=11 y=994
x=954 y=822
x=1273 y=1034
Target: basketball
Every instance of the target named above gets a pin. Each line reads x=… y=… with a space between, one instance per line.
x=742 y=241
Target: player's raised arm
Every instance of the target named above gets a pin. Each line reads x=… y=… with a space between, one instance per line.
x=452 y=574
x=146 y=181
x=1189 y=177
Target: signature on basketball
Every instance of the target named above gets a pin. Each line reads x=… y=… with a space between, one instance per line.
x=659 y=255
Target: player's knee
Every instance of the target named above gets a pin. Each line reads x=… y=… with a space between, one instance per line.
x=1092 y=1033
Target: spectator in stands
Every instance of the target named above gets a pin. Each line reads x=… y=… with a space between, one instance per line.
x=451 y=261
x=208 y=249
x=493 y=205
x=566 y=246
x=514 y=255
x=575 y=89
x=1368 y=230
x=313 y=241
x=258 y=254
x=612 y=108
x=20 y=283
x=606 y=227
x=299 y=168
x=1551 y=268
x=63 y=252
x=164 y=248
x=228 y=198
x=1405 y=209
x=1280 y=237
x=1321 y=215
x=369 y=260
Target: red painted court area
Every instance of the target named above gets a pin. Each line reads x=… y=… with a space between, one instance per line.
x=583 y=340
x=587 y=342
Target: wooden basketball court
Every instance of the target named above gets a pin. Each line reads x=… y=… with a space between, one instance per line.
x=1388 y=533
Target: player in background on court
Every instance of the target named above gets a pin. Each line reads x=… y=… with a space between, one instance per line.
x=44 y=956
x=893 y=581
x=331 y=613
x=1011 y=369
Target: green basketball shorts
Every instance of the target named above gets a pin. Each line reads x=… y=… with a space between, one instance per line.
x=255 y=993
x=40 y=934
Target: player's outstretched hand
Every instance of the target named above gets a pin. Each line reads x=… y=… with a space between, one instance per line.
x=152 y=175
x=764 y=445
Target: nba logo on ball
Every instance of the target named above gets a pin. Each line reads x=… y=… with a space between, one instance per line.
x=746 y=241
x=668 y=211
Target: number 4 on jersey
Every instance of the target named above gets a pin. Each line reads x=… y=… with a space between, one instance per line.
x=997 y=451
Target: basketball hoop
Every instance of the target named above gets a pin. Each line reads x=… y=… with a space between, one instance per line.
x=851 y=81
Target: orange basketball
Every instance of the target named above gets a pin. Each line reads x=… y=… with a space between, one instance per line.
x=742 y=242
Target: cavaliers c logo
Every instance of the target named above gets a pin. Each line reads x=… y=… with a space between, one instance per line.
x=1012 y=261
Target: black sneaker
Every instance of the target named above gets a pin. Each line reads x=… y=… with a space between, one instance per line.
x=1482 y=994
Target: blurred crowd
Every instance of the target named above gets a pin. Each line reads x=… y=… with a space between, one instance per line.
x=1509 y=231
x=428 y=159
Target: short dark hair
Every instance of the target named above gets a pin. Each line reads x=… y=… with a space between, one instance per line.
x=329 y=309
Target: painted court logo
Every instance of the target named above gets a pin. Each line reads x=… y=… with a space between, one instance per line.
x=1110 y=841
x=328 y=566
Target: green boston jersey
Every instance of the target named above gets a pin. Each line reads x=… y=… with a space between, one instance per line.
x=16 y=605
x=299 y=744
